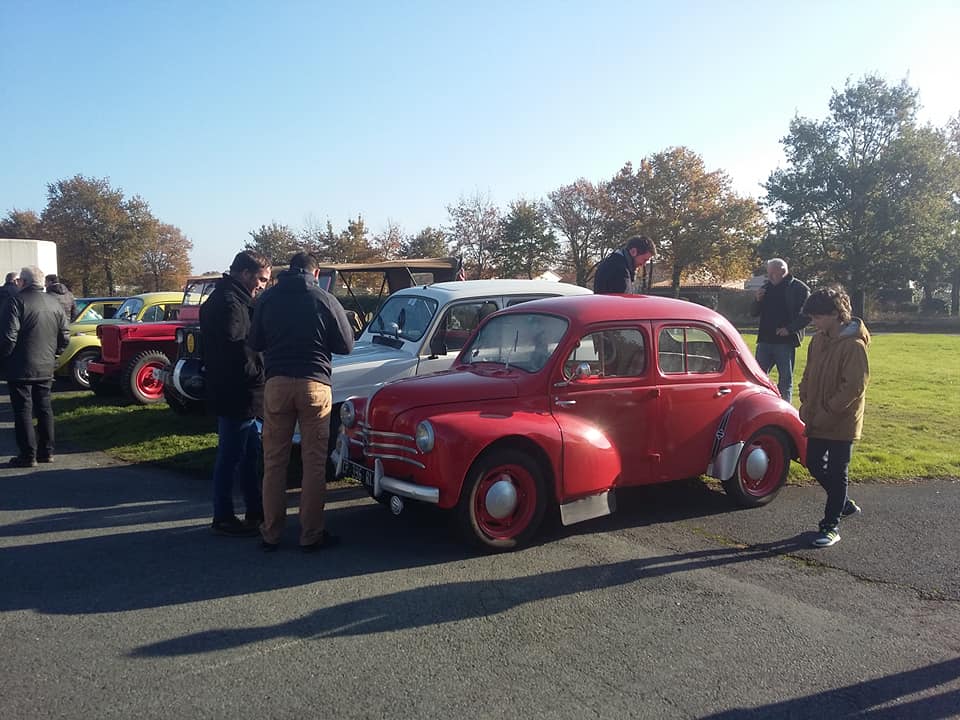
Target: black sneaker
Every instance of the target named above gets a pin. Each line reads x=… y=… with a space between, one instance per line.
x=269 y=547
x=850 y=509
x=45 y=459
x=22 y=462
x=232 y=527
x=326 y=541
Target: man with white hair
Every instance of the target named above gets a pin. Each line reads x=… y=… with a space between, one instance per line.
x=779 y=303
x=33 y=331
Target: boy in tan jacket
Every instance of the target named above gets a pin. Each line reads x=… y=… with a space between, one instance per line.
x=832 y=395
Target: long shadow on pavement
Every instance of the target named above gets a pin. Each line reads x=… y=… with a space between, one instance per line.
x=863 y=700
x=453 y=602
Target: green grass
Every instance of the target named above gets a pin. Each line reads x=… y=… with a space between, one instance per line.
x=152 y=434
x=909 y=432
x=913 y=408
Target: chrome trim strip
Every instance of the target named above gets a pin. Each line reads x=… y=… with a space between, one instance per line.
x=398 y=458
x=385 y=434
x=392 y=446
x=383 y=483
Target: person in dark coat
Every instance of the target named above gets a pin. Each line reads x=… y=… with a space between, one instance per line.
x=234 y=391
x=10 y=287
x=33 y=331
x=617 y=271
x=779 y=303
x=298 y=326
x=63 y=295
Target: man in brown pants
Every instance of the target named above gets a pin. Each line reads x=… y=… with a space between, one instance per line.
x=297 y=326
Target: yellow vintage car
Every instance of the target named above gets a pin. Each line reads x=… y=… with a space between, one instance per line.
x=84 y=345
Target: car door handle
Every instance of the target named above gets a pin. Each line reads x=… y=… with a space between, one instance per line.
x=723 y=391
x=564 y=403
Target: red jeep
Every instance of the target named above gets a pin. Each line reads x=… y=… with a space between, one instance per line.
x=130 y=352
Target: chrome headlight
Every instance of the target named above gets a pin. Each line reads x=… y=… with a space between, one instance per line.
x=425 y=436
x=348 y=414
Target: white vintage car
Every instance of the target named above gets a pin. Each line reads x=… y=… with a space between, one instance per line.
x=420 y=330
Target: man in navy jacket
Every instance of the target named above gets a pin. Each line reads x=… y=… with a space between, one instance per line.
x=297 y=326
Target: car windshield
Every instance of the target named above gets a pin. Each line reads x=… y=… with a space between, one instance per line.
x=406 y=317
x=198 y=290
x=130 y=308
x=522 y=340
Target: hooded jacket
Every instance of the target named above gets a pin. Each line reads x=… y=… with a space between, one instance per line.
x=233 y=371
x=615 y=273
x=298 y=326
x=834 y=384
x=66 y=300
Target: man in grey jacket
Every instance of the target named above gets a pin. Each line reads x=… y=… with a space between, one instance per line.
x=33 y=331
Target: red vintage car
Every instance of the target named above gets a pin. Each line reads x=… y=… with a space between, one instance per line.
x=555 y=404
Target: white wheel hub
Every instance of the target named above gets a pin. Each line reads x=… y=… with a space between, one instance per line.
x=757 y=464
x=501 y=498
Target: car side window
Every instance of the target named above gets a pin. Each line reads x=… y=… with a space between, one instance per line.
x=459 y=322
x=152 y=314
x=609 y=353
x=688 y=350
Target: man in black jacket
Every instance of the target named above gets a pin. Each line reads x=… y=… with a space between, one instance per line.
x=779 y=304
x=297 y=326
x=10 y=287
x=616 y=273
x=63 y=295
x=234 y=389
x=33 y=331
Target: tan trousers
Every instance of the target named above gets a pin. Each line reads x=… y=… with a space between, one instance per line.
x=285 y=401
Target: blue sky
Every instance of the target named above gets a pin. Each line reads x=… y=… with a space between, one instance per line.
x=228 y=115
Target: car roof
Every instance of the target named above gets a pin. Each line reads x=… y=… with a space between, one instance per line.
x=113 y=298
x=600 y=308
x=168 y=296
x=457 y=289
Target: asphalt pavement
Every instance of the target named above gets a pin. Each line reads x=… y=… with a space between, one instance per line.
x=117 y=602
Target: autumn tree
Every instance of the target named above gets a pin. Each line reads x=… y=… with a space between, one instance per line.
x=702 y=228
x=99 y=233
x=576 y=212
x=526 y=245
x=429 y=242
x=473 y=231
x=276 y=242
x=166 y=258
x=857 y=195
x=388 y=242
x=21 y=224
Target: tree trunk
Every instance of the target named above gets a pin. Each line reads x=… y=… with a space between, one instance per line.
x=858 y=301
x=955 y=292
x=675 y=281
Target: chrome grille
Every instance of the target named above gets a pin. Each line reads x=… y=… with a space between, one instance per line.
x=389 y=445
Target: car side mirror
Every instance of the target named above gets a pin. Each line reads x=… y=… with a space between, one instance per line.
x=437 y=345
x=581 y=371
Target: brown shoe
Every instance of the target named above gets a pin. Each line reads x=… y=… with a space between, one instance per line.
x=326 y=541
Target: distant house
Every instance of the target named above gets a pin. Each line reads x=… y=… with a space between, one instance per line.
x=548 y=275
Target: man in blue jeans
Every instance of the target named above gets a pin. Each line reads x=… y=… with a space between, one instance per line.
x=779 y=303
x=234 y=390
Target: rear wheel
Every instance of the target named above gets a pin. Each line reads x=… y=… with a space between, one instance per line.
x=503 y=501
x=138 y=382
x=761 y=469
x=79 y=374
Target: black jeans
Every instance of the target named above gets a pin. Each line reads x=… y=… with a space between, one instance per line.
x=31 y=399
x=828 y=462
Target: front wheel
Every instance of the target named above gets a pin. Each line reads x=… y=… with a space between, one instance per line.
x=79 y=374
x=761 y=469
x=139 y=383
x=503 y=501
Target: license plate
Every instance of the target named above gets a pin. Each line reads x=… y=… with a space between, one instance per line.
x=359 y=472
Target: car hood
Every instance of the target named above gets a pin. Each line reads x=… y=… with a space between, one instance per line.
x=366 y=367
x=454 y=387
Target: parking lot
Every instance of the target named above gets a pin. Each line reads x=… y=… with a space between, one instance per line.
x=118 y=602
